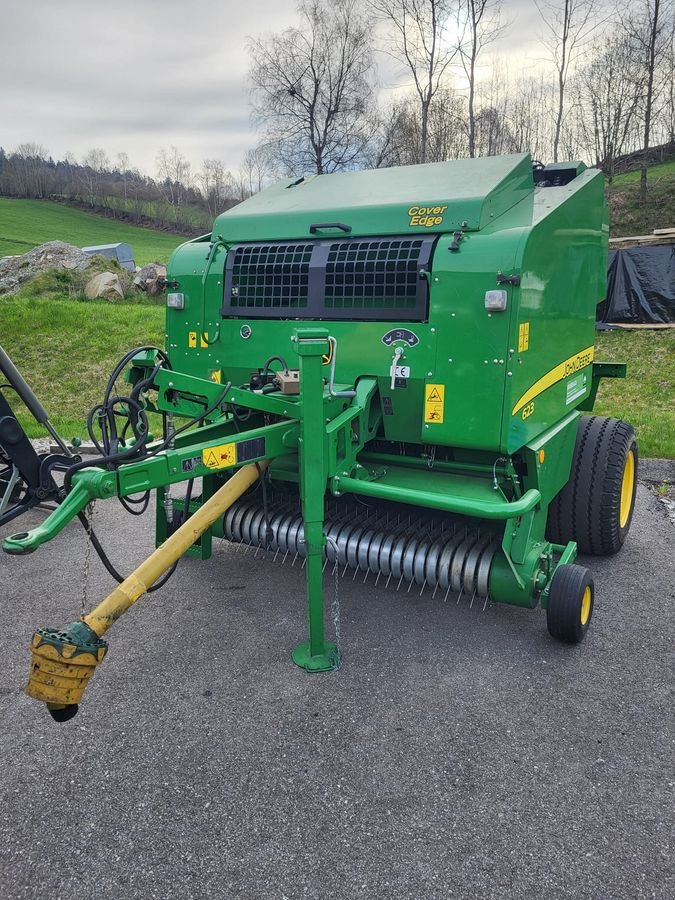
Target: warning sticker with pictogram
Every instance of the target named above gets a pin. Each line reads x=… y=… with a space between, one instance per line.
x=434 y=403
x=220 y=457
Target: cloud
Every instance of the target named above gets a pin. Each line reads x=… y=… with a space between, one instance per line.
x=137 y=75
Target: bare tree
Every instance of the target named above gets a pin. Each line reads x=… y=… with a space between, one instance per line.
x=479 y=24
x=417 y=38
x=669 y=81
x=530 y=101
x=123 y=165
x=396 y=132
x=446 y=137
x=174 y=173
x=217 y=186
x=94 y=165
x=609 y=88
x=648 y=32
x=569 y=25
x=312 y=87
x=30 y=157
x=256 y=168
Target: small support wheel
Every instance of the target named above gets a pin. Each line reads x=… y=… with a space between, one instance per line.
x=570 y=603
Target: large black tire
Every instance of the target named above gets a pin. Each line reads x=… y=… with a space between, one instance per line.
x=570 y=603
x=595 y=508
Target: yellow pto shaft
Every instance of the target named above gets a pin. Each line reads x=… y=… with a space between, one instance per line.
x=126 y=594
x=63 y=660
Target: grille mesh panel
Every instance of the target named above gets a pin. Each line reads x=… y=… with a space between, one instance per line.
x=273 y=276
x=372 y=274
x=334 y=278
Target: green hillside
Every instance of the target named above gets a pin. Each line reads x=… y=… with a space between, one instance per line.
x=628 y=216
x=76 y=348
x=25 y=224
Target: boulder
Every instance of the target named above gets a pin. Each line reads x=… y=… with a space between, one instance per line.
x=16 y=270
x=106 y=285
x=150 y=279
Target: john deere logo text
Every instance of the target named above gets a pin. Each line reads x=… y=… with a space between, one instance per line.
x=580 y=361
x=427 y=216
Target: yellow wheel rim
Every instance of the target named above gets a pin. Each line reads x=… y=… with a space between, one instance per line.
x=586 y=605
x=627 y=485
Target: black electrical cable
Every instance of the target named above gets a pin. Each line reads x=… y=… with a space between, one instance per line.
x=110 y=568
x=135 y=418
x=263 y=485
x=266 y=367
x=126 y=455
x=142 y=503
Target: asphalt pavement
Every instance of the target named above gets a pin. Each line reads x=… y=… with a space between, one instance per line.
x=456 y=754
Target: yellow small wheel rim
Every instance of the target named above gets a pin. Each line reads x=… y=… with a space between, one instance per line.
x=627 y=485
x=586 y=602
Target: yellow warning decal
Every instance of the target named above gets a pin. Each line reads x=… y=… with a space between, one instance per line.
x=523 y=337
x=192 y=339
x=220 y=457
x=434 y=403
x=215 y=375
x=204 y=340
x=562 y=370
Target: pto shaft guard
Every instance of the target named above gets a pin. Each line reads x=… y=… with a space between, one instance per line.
x=62 y=662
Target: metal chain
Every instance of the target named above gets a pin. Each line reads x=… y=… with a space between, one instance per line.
x=335 y=608
x=89 y=513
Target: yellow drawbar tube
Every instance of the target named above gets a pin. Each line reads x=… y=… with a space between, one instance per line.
x=64 y=660
x=126 y=594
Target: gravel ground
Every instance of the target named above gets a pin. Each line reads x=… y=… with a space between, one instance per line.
x=457 y=753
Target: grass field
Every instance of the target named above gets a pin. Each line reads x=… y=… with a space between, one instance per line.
x=25 y=224
x=654 y=173
x=66 y=350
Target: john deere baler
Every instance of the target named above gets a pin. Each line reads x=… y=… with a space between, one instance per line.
x=400 y=366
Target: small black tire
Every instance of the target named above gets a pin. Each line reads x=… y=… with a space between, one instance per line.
x=570 y=603
x=595 y=507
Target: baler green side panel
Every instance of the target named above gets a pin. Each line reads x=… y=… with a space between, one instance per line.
x=473 y=343
x=565 y=259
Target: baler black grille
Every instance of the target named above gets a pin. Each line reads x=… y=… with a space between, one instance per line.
x=373 y=274
x=270 y=276
x=346 y=278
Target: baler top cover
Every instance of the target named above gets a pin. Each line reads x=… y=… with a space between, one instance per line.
x=436 y=197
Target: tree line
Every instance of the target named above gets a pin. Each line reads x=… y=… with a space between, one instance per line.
x=603 y=90
x=178 y=198
x=603 y=87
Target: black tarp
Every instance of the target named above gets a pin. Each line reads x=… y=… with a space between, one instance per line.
x=640 y=286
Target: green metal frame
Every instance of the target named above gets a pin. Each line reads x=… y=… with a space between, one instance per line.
x=322 y=441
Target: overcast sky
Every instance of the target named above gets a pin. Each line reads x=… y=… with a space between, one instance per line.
x=136 y=75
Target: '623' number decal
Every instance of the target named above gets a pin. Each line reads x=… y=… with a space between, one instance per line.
x=528 y=409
